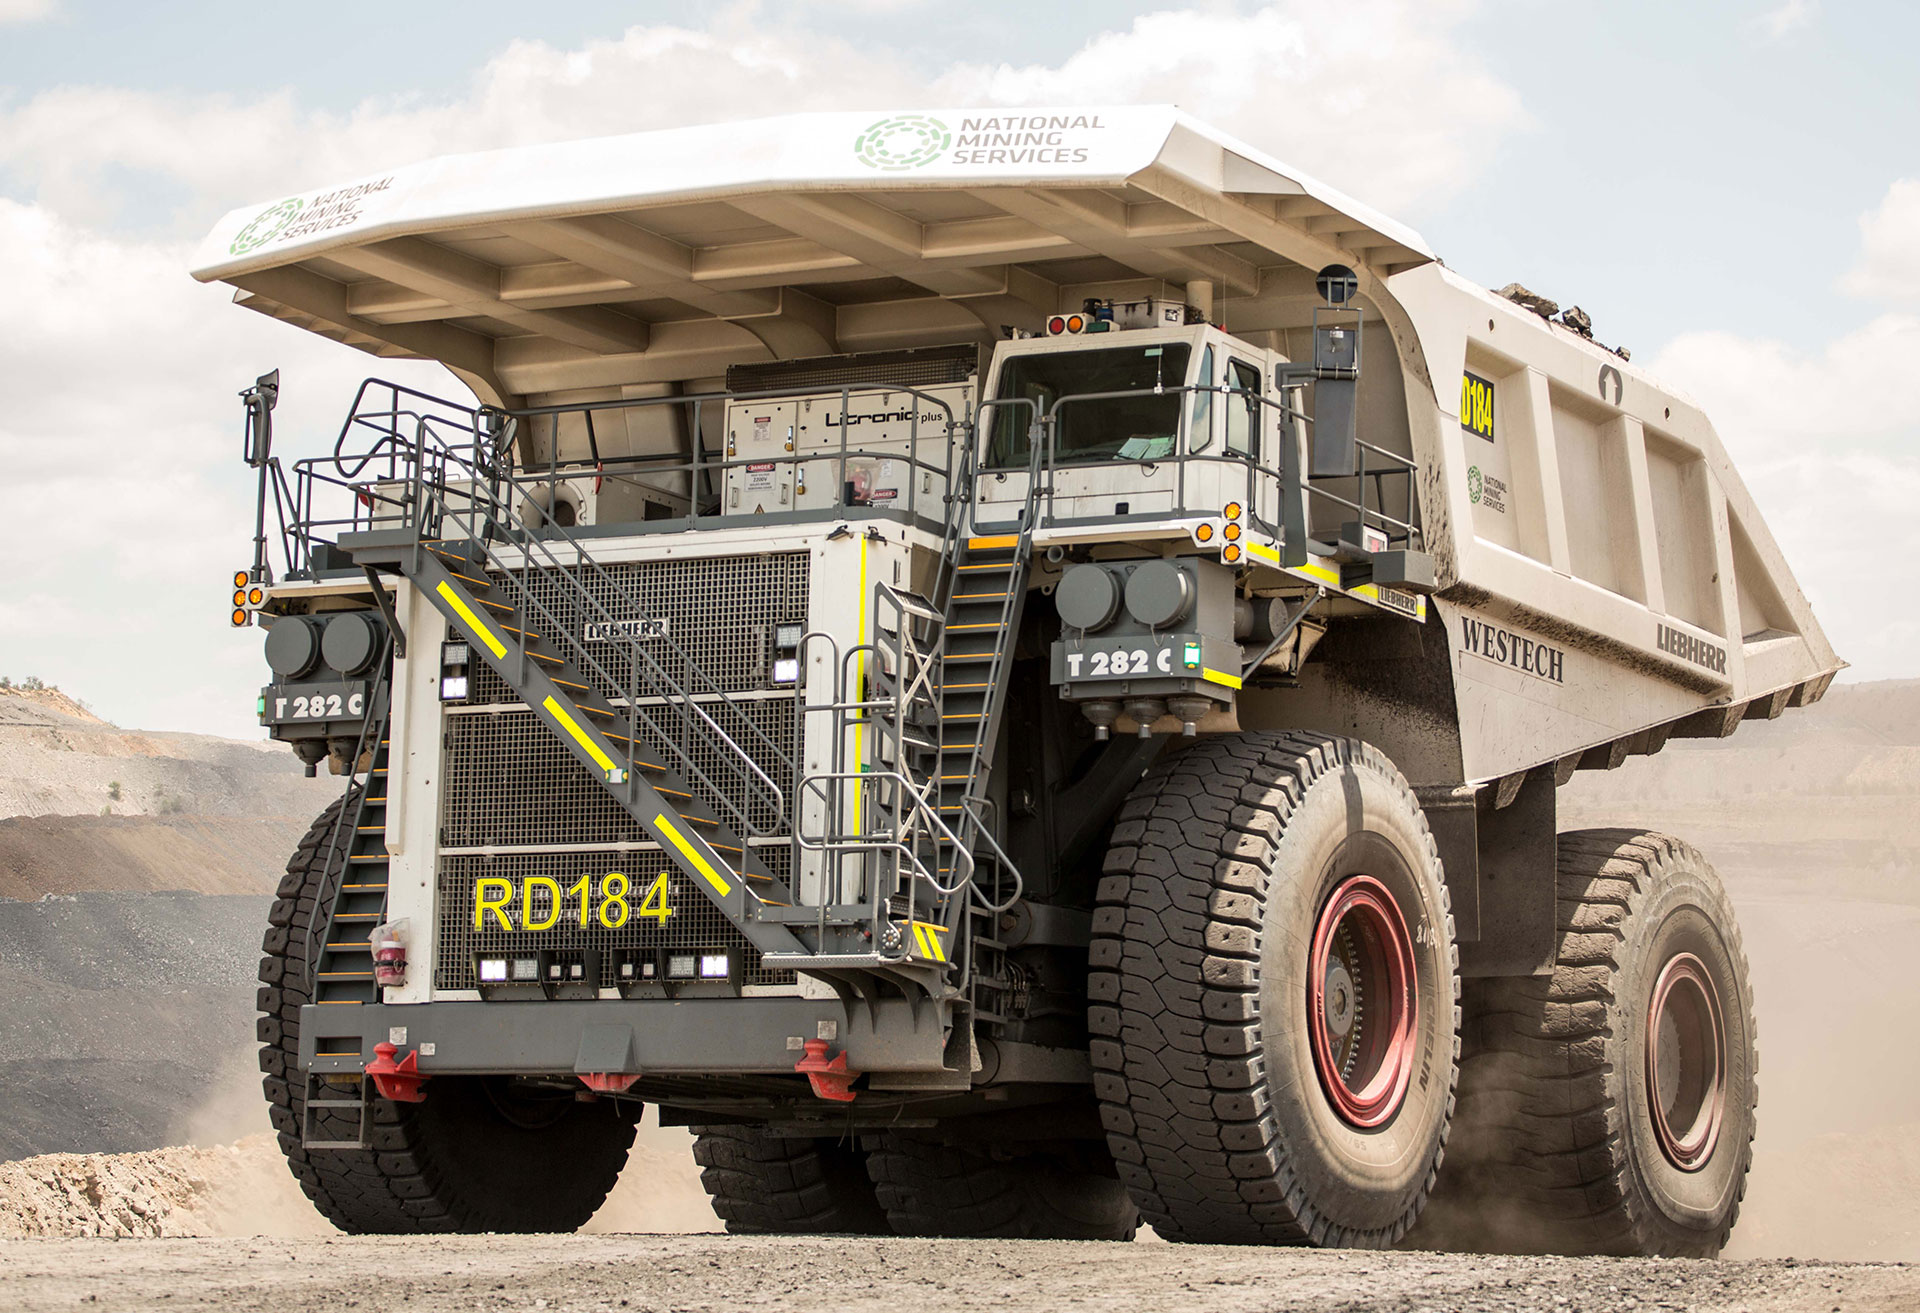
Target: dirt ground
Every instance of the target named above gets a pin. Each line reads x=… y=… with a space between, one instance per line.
x=685 y=1274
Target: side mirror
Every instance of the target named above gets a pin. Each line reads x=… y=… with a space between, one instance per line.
x=260 y=399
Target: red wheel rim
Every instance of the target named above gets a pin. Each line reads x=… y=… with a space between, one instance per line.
x=1361 y=1002
x=1686 y=1062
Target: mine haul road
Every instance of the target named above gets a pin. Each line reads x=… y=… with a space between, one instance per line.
x=656 y=1274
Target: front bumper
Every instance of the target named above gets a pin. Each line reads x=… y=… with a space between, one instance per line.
x=693 y=1037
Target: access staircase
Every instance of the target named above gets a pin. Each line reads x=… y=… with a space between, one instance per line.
x=643 y=764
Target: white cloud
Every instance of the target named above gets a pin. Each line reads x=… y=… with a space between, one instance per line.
x=127 y=507
x=26 y=11
x=1786 y=18
x=1825 y=442
x=1380 y=97
x=1889 y=264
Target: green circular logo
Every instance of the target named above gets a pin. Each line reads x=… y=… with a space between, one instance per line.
x=1473 y=484
x=266 y=226
x=905 y=141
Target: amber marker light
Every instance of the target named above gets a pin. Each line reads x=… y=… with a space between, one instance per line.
x=1233 y=533
x=1233 y=510
x=239 y=618
x=257 y=596
x=1230 y=553
x=239 y=578
x=239 y=597
x=1075 y=323
x=1204 y=533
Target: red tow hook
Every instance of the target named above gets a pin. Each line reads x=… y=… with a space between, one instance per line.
x=829 y=1077
x=399 y=1081
x=608 y=1082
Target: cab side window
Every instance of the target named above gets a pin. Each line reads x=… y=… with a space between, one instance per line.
x=1243 y=409
x=1200 y=428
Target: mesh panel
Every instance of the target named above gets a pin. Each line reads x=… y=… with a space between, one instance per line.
x=695 y=922
x=719 y=612
x=509 y=782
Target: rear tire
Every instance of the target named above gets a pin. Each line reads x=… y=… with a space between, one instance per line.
x=1252 y=1094
x=477 y=1155
x=761 y=1185
x=1562 y=1145
x=929 y=1188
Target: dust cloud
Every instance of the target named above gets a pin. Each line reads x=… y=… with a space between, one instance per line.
x=1813 y=822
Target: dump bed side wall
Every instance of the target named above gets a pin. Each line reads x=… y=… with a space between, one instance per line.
x=1604 y=570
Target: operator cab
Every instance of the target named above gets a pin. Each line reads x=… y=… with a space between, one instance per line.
x=1137 y=417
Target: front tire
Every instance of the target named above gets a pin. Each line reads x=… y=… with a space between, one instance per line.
x=1610 y=1108
x=1273 y=995
x=477 y=1155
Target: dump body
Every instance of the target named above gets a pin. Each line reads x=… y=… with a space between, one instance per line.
x=689 y=591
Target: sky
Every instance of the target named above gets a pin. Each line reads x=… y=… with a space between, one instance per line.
x=1731 y=188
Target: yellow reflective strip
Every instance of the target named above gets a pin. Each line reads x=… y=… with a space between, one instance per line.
x=665 y=825
x=474 y=622
x=988 y=544
x=928 y=936
x=1221 y=677
x=1264 y=552
x=584 y=739
x=1325 y=574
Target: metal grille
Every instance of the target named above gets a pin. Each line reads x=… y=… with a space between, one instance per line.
x=508 y=782
x=720 y=612
x=914 y=368
x=695 y=922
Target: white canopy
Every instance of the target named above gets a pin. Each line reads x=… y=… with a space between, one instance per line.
x=666 y=256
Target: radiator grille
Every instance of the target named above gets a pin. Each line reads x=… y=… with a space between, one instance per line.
x=719 y=614
x=509 y=783
x=508 y=780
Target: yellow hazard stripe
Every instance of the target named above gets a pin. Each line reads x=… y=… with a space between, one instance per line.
x=989 y=544
x=927 y=935
x=665 y=825
x=1221 y=677
x=474 y=622
x=1331 y=577
x=580 y=735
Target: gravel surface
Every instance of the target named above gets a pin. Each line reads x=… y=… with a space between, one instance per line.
x=645 y=1274
x=123 y=1020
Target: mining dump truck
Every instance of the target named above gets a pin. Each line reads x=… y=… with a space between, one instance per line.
x=1010 y=671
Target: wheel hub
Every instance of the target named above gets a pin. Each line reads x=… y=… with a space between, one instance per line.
x=1686 y=1062
x=1361 y=1009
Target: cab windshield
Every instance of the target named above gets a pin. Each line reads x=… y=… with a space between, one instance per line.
x=1145 y=427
